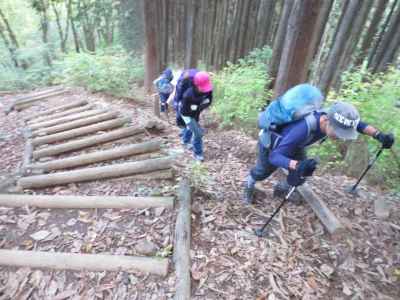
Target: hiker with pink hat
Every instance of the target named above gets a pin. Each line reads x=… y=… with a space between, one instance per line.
x=193 y=95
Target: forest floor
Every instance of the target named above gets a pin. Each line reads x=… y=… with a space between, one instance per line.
x=298 y=260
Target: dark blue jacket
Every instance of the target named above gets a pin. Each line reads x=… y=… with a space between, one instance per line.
x=193 y=102
x=294 y=137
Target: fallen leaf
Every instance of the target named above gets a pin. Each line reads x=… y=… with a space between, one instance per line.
x=40 y=235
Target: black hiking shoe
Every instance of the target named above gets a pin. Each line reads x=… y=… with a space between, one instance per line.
x=248 y=195
x=281 y=189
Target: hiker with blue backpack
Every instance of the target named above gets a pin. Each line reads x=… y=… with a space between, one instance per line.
x=296 y=120
x=193 y=94
x=164 y=88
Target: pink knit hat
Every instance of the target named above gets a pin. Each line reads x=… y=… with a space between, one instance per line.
x=202 y=82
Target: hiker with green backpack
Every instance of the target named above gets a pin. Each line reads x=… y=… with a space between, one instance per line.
x=296 y=120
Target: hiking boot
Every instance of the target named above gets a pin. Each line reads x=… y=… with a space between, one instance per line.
x=248 y=195
x=198 y=157
x=282 y=188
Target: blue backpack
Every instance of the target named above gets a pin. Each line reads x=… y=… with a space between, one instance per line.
x=164 y=86
x=297 y=103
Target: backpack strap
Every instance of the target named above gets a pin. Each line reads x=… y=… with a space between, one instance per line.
x=312 y=125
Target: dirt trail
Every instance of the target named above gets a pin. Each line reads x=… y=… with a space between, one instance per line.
x=299 y=260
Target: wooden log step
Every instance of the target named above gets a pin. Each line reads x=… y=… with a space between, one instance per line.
x=57 y=115
x=77 y=132
x=84 y=114
x=91 y=174
x=75 y=124
x=28 y=102
x=87 y=142
x=38 y=93
x=81 y=202
x=182 y=242
x=56 y=109
x=98 y=156
x=83 y=262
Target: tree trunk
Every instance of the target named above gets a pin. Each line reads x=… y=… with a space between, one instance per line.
x=190 y=59
x=265 y=18
x=59 y=27
x=376 y=53
x=299 y=48
x=339 y=45
x=388 y=45
x=10 y=48
x=372 y=30
x=151 y=54
x=44 y=24
x=280 y=39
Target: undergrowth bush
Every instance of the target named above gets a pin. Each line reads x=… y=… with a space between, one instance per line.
x=240 y=89
x=106 y=71
x=377 y=97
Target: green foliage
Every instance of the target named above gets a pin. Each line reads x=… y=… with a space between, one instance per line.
x=240 y=89
x=377 y=99
x=106 y=71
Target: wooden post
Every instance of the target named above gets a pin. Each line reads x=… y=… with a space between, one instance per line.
x=87 y=142
x=56 y=109
x=76 y=124
x=90 y=174
x=77 y=132
x=98 y=156
x=182 y=242
x=65 y=119
x=74 y=110
x=332 y=224
x=80 y=262
x=81 y=202
x=27 y=156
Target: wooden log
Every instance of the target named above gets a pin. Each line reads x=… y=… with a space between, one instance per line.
x=27 y=156
x=77 y=132
x=182 y=243
x=20 y=105
x=327 y=218
x=98 y=156
x=75 y=124
x=81 y=202
x=56 y=109
x=331 y=223
x=87 y=142
x=57 y=115
x=80 y=262
x=39 y=93
x=65 y=119
x=157 y=175
x=90 y=174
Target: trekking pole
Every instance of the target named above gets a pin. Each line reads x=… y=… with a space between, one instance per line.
x=260 y=231
x=352 y=190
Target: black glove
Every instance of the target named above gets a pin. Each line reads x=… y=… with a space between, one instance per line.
x=386 y=140
x=304 y=169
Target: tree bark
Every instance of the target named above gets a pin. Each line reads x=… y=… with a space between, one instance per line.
x=96 y=173
x=299 y=47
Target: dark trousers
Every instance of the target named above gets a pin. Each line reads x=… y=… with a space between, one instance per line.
x=263 y=168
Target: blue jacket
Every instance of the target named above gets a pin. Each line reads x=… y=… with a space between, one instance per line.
x=294 y=137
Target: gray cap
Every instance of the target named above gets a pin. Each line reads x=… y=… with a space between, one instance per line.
x=344 y=118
